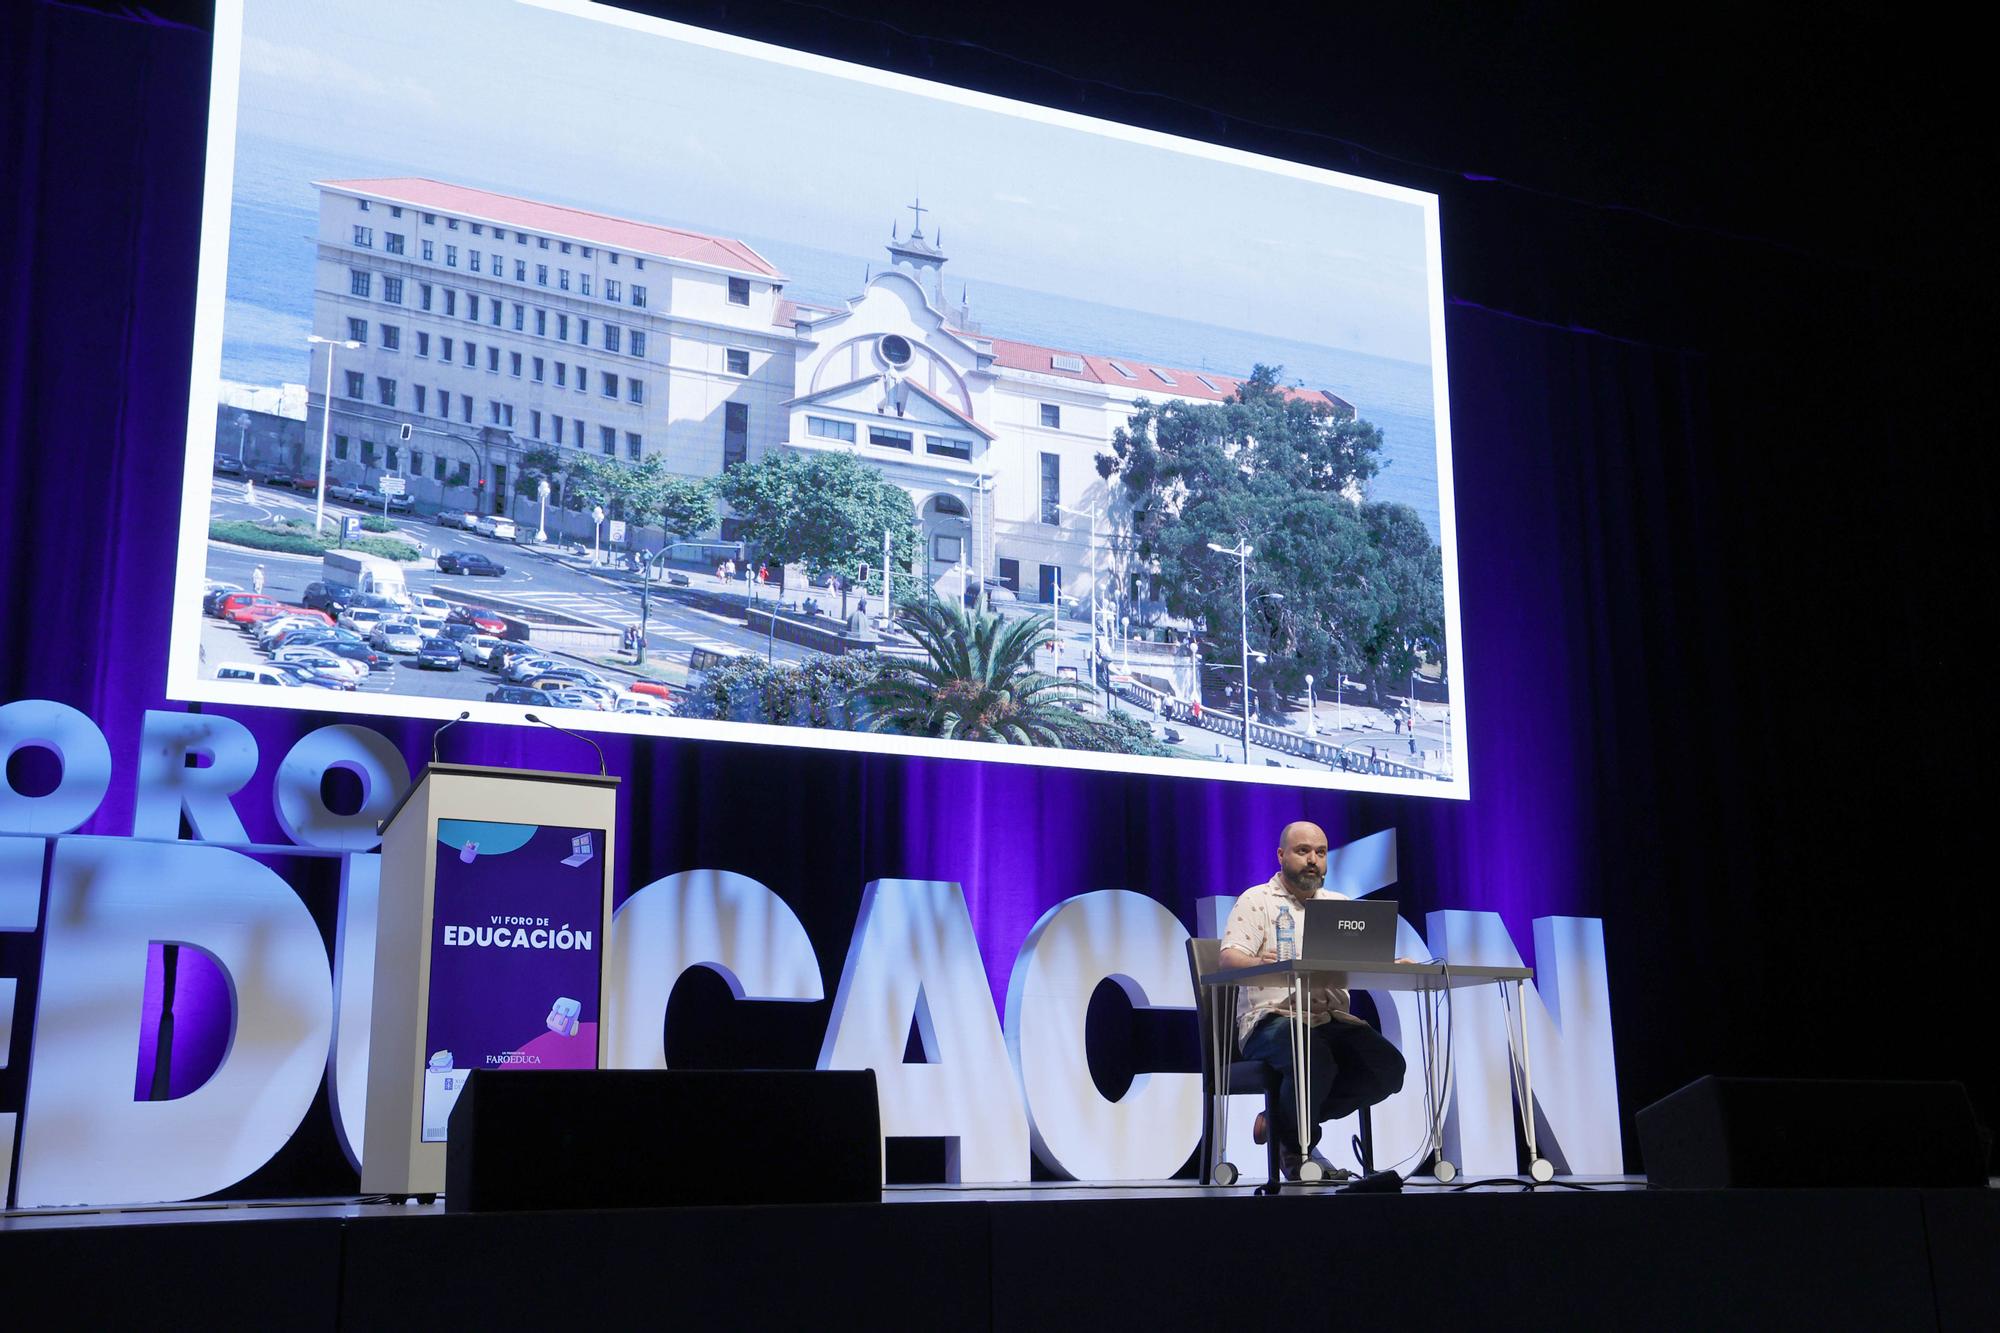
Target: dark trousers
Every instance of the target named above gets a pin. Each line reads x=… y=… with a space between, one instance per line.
x=1352 y=1064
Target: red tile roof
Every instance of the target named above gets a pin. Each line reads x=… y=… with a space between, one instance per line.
x=575 y=224
x=1099 y=370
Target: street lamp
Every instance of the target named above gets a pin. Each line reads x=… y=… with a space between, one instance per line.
x=1311 y=731
x=326 y=420
x=542 y=521
x=1242 y=554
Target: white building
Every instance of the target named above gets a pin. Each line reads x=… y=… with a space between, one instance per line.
x=491 y=325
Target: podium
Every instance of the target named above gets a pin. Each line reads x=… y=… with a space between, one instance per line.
x=489 y=949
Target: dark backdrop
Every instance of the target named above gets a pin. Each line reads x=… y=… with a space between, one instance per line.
x=1720 y=316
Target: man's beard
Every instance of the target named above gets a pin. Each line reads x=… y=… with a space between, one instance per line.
x=1306 y=881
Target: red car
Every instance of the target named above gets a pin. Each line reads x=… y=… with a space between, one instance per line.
x=486 y=622
x=251 y=615
x=236 y=607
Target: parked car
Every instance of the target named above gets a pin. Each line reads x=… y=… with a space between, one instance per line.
x=233 y=607
x=332 y=598
x=431 y=627
x=450 y=518
x=398 y=504
x=475 y=648
x=397 y=636
x=211 y=600
x=252 y=618
x=469 y=563
x=228 y=467
x=429 y=604
x=486 y=622
x=641 y=704
x=518 y=694
x=493 y=525
x=361 y=619
x=270 y=629
x=255 y=673
x=436 y=654
x=574 y=699
x=311 y=655
x=522 y=669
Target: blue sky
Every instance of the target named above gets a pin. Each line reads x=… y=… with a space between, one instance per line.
x=585 y=112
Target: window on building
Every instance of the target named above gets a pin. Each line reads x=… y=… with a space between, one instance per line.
x=576 y=431
x=392 y=290
x=394 y=451
x=492 y=359
x=418 y=396
x=392 y=337
x=735 y=433
x=1052 y=416
x=583 y=284
x=826 y=428
x=450 y=301
x=364 y=236
x=493 y=410
x=437 y=467
x=444 y=349
x=562 y=277
x=1010 y=574
x=416 y=463
x=359 y=282
x=638 y=295
x=514 y=364
x=368 y=453
x=357 y=330
x=1051 y=489
x=562 y=375
x=947 y=447
x=499 y=264
x=473 y=261
x=478 y=230
x=638 y=343
x=471 y=354
x=444 y=401
x=607 y=384
x=611 y=285
x=607 y=439
x=535 y=423
x=1161 y=375
x=423 y=343
x=520 y=317
x=430 y=219
x=340 y=447
x=428 y=249
x=562 y=328
x=472 y=306
x=357 y=384
x=542 y=242
x=542 y=274
x=634 y=447
x=386 y=388
x=361 y=204
x=582 y=332
x=611 y=337
x=947 y=548
x=541 y=323
x=507 y=415
x=582 y=378
x=423 y=296
x=736 y=360
x=638 y=263
x=882 y=437
x=451 y=224
x=537 y=365
x=635 y=390
x=739 y=291
x=520 y=270
x=465 y=408
x=451 y=256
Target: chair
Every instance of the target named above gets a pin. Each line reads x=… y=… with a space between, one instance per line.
x=1238 y=1076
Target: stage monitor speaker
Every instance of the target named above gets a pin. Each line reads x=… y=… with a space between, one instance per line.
x=1774 y=1133
x=644 y=1138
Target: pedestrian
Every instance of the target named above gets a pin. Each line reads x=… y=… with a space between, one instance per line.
x=763 y=573
x=1413 y=742
x=257 y=579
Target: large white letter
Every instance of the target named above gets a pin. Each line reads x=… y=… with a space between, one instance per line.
x=366 y=754
x=699 y=918
x=167 y=785
x=1569 y=1045
x=914 y=959
x=353 y=998
x=20 y=882
x=84 y=1139
x=1148 y=1133
x=86 y=766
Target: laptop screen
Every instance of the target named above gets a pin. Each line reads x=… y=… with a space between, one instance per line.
x=1349 y=930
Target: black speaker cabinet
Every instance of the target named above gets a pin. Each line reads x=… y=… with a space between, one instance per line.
x=641 y=1138
x=1722 y=1133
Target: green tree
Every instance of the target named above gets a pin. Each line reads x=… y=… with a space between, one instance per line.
x=978 y=681
x=824 y=511
x=646 y=493
x=1334 y=585
x=819 y=692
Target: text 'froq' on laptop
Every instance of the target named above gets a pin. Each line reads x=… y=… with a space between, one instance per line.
x=1349 y=930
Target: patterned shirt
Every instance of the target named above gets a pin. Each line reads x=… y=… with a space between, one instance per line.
x=1253 y=929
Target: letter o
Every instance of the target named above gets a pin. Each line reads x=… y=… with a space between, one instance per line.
x=367 y=754
x=86 y=766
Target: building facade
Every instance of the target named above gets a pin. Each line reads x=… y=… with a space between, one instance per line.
x=489 y=327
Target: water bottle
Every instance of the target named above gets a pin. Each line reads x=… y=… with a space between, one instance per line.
x=1287 y=947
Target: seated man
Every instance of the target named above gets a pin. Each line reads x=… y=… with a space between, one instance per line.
x=1352 y=1065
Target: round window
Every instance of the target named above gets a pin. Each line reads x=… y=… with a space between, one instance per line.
x=895 y=349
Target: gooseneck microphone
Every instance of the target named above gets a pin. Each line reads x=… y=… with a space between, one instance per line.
x=601 y=770
x=439 y=733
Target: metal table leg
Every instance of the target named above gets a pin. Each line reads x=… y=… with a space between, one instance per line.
x=1302 y=1078
x=1539 y=1167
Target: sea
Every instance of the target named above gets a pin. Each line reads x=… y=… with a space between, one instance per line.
x=273 y=220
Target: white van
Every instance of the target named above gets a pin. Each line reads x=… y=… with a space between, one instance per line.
x=254 y=673
x=496 y=527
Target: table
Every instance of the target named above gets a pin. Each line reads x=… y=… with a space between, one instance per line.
x=1426 y=978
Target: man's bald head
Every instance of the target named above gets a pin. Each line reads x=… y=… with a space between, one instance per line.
x=1302 y=857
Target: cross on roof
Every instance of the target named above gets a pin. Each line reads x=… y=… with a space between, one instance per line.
x=917 y=231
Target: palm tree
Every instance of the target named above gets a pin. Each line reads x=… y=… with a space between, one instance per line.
x=979 y=682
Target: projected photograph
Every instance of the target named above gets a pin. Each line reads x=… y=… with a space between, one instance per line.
x=550 y=357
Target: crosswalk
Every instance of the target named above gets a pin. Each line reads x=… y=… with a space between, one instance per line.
x=621 y=613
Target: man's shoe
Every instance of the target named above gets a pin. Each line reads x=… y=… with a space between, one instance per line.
x=1328 y=1171
x=1260 y=1130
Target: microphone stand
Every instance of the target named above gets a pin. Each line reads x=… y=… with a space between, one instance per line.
x=601 y=769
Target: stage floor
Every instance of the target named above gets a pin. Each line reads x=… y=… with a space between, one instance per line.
x=1036 y=1257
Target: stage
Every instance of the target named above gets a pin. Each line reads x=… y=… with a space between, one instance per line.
x=1580 y=1253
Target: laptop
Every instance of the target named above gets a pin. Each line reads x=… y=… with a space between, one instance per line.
x=1349 y=930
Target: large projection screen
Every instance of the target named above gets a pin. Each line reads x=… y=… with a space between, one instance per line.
x=754 y=396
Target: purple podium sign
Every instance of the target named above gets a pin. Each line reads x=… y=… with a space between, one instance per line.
x=515 y=958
